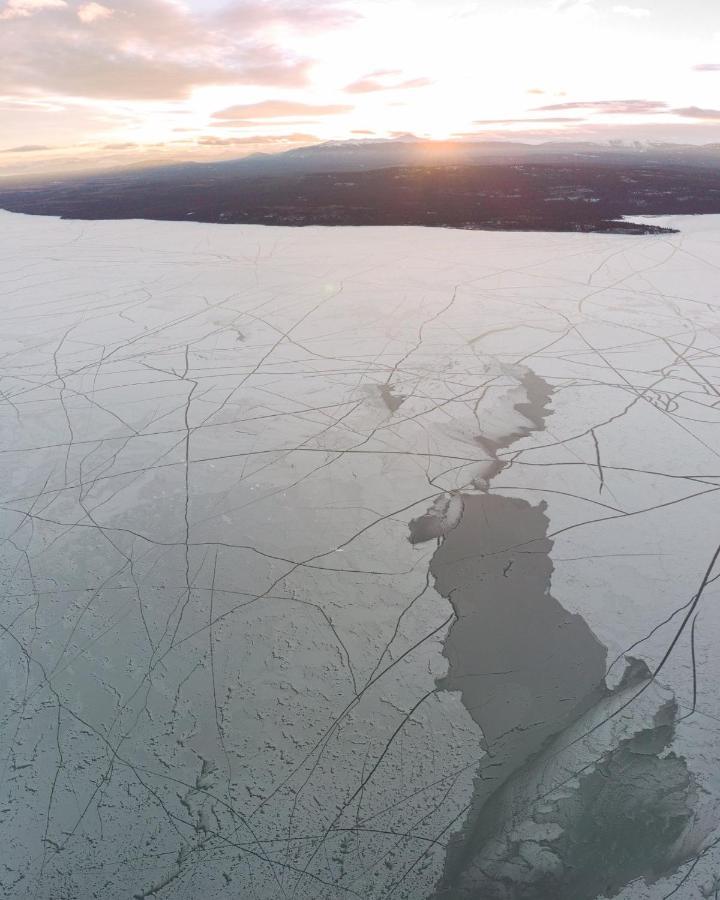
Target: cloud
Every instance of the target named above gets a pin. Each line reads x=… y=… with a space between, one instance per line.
x=376 y=81
x=98 y=73
x=91 y=12
x=127 y=145
x=609 y=107
x=212 y=140
x=22 y=9
x=633 y=107
x=695 y=112
x=152 y=49
x=243 y=123
x=707 y=67
x=235 y=124
x=549 y=121
x=272 y=109
x=309 y=16
x=501 y=135
x=683 y=131
x=62 y=123
x=633 y=12
x=27 y=148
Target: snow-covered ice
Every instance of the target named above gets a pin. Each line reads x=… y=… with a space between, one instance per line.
x=358 y=562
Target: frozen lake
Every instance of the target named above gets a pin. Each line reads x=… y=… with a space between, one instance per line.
x=358 y=562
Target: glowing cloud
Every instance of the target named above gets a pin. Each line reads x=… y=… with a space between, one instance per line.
x=91 y=12
x=16 y=9
x=271 y=109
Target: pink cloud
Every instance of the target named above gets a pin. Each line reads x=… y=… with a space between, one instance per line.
x=303 y=16
x=23 y=9
x=695 y=112
x=212 y=140
x=271 y=109
x=377 y=81
x=152 y=49
x=27 y=148
x=91 y=12
x=609 y=107
x=540 y=121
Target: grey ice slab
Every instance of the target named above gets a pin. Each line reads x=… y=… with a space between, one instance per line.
x=358 y=562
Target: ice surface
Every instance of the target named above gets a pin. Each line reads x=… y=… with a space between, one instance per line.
x=358 y=562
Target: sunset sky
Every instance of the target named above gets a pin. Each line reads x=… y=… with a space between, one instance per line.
x=91 y=83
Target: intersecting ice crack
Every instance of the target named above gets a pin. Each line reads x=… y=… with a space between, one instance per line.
x=228 y=672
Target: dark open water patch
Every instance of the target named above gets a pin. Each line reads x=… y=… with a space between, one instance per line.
x=527 y=671
x=392 y=400
x=524 y=665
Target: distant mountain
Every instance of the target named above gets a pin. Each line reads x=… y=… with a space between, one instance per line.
x=406 y=150
x=359 y=155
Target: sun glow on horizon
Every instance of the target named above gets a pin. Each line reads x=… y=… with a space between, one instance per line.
x=154 y=77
